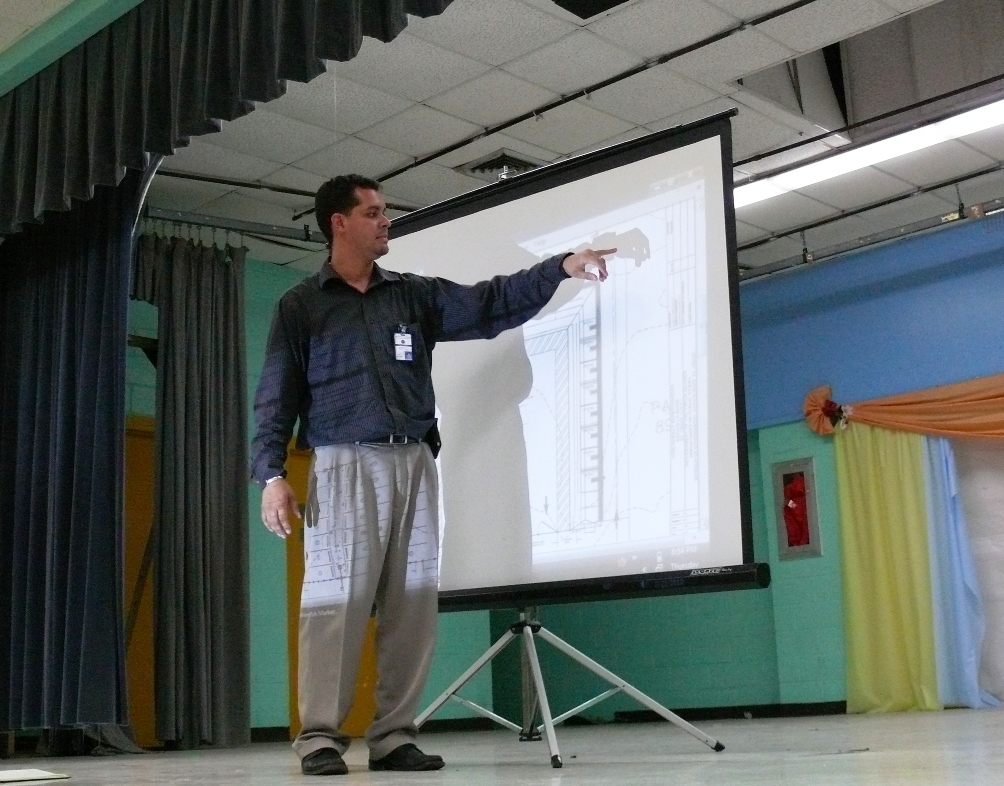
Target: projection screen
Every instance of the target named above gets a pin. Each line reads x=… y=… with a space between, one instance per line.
x=599 y=450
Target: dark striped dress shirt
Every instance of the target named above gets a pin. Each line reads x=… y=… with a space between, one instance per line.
x=330 y=360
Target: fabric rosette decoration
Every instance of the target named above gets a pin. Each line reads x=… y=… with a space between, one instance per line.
x=822 y=413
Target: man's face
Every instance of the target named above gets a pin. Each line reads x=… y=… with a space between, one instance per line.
x=365 y=227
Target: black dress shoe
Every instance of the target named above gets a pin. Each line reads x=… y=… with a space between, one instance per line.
x=407 y=758
x=324 y=761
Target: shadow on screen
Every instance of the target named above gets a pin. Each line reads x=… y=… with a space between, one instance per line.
x=495 y=463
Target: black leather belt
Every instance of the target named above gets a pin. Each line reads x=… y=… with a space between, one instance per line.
x=390 y=439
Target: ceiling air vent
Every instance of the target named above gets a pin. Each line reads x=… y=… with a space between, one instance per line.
x=499 y=165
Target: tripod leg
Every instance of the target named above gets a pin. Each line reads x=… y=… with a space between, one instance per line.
x=629 y=689
x=545 y=709
x=494 y=650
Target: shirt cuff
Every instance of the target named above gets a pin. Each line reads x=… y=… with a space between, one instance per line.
x=559 y=261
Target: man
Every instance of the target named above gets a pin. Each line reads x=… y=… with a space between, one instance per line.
x=349 y=354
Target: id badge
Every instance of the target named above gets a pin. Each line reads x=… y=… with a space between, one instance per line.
x=402 y=344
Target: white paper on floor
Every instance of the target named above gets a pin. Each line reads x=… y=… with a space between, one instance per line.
x=20 y=776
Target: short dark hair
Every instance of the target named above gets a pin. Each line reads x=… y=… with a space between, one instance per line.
x=338 y=195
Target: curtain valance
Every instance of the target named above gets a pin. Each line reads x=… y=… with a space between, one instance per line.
x=974 y=408
x=164 y=72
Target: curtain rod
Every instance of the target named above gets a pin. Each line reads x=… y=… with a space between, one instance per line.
x=304 y=235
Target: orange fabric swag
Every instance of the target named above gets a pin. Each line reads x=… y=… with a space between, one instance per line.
x=974 y=408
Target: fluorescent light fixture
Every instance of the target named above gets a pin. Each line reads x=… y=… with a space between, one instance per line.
x=960 y=125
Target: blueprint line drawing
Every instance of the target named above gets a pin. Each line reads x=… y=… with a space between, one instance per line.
x=615 y=421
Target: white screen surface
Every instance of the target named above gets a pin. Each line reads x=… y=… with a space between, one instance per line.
x=600 y=438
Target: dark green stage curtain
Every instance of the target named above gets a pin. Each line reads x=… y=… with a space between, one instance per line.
x=162 y=73
x=200 y=532
x=63 y=306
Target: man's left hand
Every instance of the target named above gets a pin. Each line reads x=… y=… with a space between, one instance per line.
x=588 y=264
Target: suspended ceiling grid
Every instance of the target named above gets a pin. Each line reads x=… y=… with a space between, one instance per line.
x=485 y=61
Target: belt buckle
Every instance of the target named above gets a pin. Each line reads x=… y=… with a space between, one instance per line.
x=398 y=439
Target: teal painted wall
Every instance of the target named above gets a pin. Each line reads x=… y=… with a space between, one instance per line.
x=708 y=650
x=263 y=284
x=807 y=593
x=141 y=376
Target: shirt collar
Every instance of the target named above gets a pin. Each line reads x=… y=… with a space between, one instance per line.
x=379 y=276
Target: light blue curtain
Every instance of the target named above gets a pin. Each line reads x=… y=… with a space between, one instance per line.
x=959 y=623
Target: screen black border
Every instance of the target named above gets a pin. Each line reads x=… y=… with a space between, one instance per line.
x=745 y=576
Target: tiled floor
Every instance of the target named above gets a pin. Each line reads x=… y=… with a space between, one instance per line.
x=964 y=747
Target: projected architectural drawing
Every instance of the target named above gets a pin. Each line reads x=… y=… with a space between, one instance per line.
x=613 y=424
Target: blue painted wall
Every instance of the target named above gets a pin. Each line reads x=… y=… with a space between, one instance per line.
x=914 y=314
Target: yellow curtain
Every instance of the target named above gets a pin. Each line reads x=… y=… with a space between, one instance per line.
x=974 y=408
x=887 y=586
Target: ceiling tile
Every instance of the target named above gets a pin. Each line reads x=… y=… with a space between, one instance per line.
x=626 y=136
x=746 y=233
x=569 y=127
x=337 y=103
x=824 y=22
x=492 y=31
x=653 y=94
x=352 y=155
x=784 y=212
x=175 y=193
x=207 y=159
x=857 y=188
x=10 y=32
x=980 y=189
x=292 y=203
x=431 y=183
x=906 y=6
x=272 y=137
x=656 y=27
x=31 y=13
x=492 y=98
x=575 y=62
x=990 y=142
x=409 y=67
x=751 y=132
x=941 y=162
x=419 y=130
x=773 y=251
x=908 y=211
x=248 y=208
x=291 y=177
x=489 y=144
x=726 y=60
x=748 y=10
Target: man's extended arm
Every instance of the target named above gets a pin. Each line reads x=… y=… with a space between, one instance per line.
x=485 y=309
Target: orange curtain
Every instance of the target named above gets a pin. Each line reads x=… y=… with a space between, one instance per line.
x=974 y=408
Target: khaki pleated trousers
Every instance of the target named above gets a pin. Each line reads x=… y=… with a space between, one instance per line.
x=372 y=537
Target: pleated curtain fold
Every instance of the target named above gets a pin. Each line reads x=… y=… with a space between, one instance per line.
x=63 y=322
x=200 y=531
x=166 y=71
x=887 y=587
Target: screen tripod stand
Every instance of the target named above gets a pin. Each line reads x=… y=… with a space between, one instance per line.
x=528 y=630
